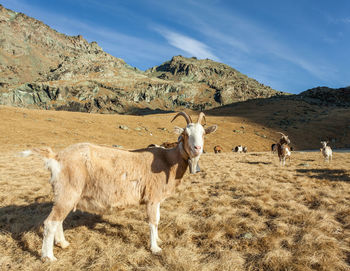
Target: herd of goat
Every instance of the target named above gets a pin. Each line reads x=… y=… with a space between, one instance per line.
x=282 y=147
x=96 y=179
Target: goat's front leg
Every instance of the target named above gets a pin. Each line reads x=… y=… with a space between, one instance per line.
x=153 y=219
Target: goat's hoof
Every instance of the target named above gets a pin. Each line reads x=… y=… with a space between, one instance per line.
x=48 y=258
x=156 y=250
x=63 y=244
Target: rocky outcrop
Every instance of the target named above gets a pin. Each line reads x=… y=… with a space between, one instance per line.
x=228 y=84
x=41 y=68
x=327 y=96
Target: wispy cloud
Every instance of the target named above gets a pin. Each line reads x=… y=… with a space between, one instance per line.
x=189 y=45
x=337 y=20
x=248 y=37
x=345 y=20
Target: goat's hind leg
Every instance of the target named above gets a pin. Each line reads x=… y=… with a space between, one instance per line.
x=59 y=236
x=53 y=230
x=153 y=217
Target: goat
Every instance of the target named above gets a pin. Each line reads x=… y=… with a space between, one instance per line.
x=326 y=151
x=238 y=148
x=95 y=178
x=245 y=149
x=218 y=149
x=283 y=149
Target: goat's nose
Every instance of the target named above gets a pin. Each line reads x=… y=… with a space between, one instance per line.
x=197 y=147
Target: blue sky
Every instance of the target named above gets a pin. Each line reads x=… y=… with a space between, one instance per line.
x=289 y=45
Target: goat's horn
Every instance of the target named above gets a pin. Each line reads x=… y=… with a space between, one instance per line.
x=281 y=133
x=200 y=117
x=187 y=117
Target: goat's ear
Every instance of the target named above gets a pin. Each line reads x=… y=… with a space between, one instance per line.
x=211 y=129
x=178 y=130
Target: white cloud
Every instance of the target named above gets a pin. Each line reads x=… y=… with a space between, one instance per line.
x=250 y=38
x=189 y=45
x=345 y=20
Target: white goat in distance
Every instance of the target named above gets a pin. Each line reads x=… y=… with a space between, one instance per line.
x=95 y=178
x=326 y=151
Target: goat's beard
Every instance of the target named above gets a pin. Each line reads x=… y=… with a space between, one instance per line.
x=193 y=164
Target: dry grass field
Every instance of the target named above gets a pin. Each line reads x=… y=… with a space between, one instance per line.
x=241 y=212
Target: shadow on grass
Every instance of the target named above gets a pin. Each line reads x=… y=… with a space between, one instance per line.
x=326 y=174
x=147 y=111
x=17 y=220
x=257 y=163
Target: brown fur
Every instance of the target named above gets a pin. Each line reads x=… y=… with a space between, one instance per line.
x=283 y=149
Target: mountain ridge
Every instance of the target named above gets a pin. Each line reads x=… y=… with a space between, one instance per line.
x=42 y=68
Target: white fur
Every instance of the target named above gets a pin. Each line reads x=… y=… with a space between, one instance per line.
x=25 y=153
x=59 y=236
x=154 y=235
x=50 y=228
x=195 y=133
x=55 y=168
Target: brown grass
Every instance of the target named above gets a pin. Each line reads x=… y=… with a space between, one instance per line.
x=241 y=212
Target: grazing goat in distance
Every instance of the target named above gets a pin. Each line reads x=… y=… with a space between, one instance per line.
x=218 y=149
x=326 y=151
x=283 y=149
x=96 y=179
x=240 y=148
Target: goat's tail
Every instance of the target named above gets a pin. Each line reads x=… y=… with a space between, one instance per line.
x=43 y=152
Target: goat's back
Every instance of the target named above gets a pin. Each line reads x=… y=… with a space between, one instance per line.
x=108 y=177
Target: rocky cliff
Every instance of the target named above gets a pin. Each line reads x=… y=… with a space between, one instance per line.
x=327 y=96
x=41 y=68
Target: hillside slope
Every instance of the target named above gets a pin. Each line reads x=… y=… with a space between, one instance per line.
x=241 y=212
x=41 y=68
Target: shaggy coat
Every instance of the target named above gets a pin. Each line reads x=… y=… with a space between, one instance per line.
x=98 y=179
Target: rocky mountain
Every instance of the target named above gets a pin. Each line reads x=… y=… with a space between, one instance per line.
x=41 y=68
x=327 y=96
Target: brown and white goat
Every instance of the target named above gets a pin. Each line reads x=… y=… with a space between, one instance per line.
x=283 y=149
x=218 y=149
x=96 y=179
x=326 y=151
